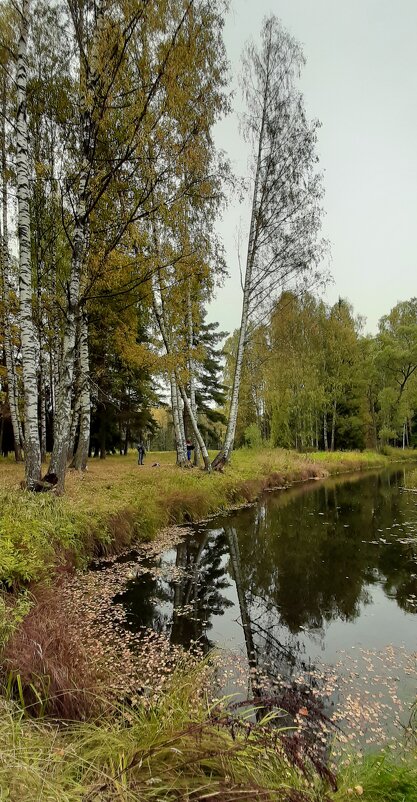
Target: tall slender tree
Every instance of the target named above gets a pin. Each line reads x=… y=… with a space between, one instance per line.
x=9 y=351
x=28 y=335
x=283 y=242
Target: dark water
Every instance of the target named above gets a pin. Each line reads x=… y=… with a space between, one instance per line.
x=296 y=580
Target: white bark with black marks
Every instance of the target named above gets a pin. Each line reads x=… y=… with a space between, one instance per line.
x=12 y=384
x=178 y=389
x=333 y=437
x=75 y=420
x=191 y=364
x=81 y=456
x=196 y=431
x=62 y=420
x=176 y=413
x=325 y=438
x=176 y=419
x=8 y=344
x=29 y=344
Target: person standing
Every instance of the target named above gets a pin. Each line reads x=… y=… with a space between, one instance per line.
x=141 y=452
x=190 y=448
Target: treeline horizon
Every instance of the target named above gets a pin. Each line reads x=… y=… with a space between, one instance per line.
x=312 y=379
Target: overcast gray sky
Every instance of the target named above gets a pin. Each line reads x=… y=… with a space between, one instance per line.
x=360 y=81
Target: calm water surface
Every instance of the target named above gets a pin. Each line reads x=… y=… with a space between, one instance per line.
x=296 y=580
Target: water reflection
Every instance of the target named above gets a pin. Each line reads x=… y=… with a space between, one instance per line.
x=183 y=591
x=291 y=574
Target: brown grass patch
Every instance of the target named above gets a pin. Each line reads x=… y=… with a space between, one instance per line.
x=45 y=668
x=252 y=488
x=184 y=507
x=275 y=480
x=122 y=529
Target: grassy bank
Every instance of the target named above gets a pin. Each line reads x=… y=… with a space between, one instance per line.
x=178 y=748
x=181 y=749
x=117 y=502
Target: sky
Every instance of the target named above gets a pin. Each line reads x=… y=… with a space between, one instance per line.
x=360 y=81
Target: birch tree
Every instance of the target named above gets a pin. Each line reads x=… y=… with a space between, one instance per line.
x=29 y=341
x=182 y=235
x=285 y=217
x=12 y=381
x=128 y=63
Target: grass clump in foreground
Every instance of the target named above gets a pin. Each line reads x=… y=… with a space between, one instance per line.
x=117 y=502
x=179 y=749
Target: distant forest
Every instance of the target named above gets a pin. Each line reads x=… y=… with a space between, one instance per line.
x=313 y=380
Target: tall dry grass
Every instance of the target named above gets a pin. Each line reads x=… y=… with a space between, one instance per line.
x=180 y=749
x=44 y=668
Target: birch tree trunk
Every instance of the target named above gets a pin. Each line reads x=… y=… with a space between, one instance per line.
x=62 y=422
x=197 y=434
x=332 y=443
x=12 y=386
x=75 y=419
x=81 y=456
x=53 y=346
x=29 y=355
x=181 y=415
x=42 y=403
x=179 y=440
x=177 y=388
x=224 y=454
x=191 y=364
x=326 y=442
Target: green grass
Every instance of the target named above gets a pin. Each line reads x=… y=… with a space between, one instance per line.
x=382 y=779
x=117 y=502
x=177 y=750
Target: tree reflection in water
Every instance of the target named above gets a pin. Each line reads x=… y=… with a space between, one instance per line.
x=182 y=591
x=293 y=564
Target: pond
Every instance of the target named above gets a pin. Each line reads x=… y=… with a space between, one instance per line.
x=320 y=578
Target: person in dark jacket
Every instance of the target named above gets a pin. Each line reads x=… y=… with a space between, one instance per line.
x=141 y=452
x=190 y=448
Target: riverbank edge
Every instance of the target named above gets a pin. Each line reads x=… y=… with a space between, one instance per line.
x=189 y=507
x=106 y=512
x=239 y=491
